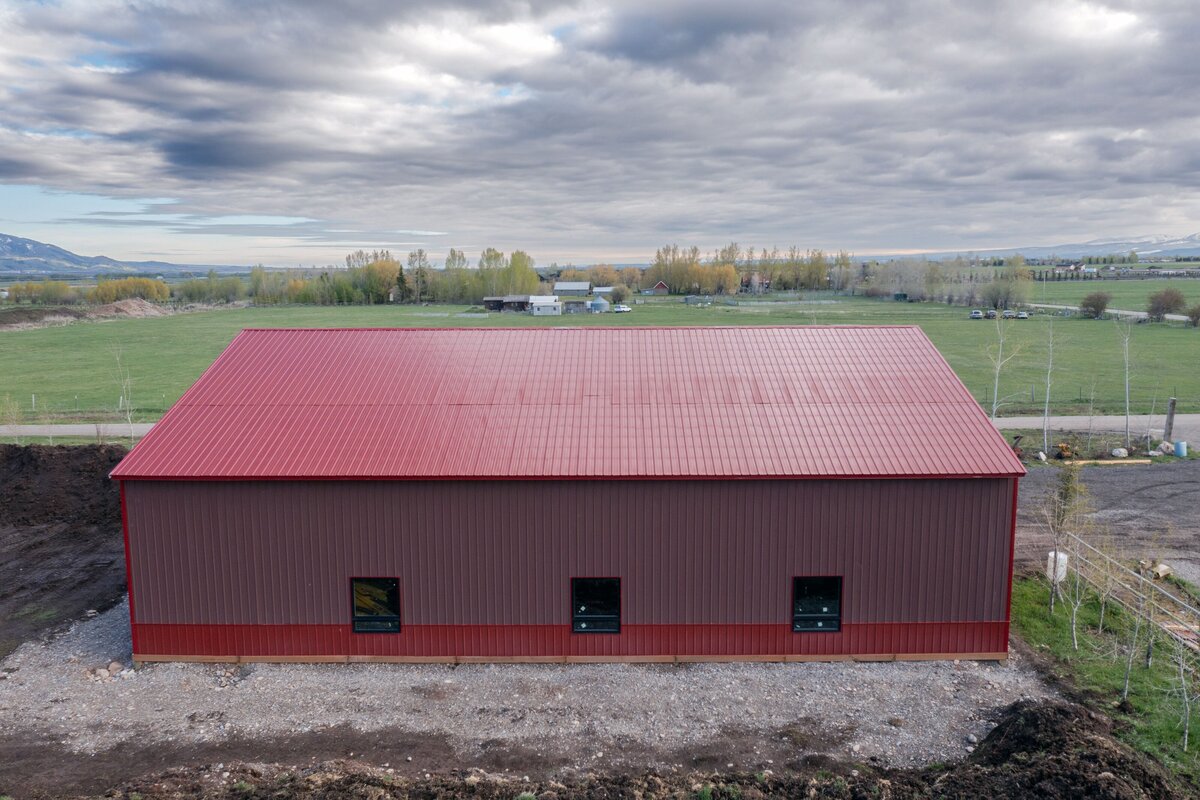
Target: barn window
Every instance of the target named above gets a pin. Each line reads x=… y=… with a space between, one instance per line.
x=376 y=605
x=817 y=604
x=596 y=605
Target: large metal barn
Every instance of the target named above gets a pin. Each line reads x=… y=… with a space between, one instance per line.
x=588 y=494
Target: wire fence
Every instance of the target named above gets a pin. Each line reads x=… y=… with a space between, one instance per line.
x=1174 y=617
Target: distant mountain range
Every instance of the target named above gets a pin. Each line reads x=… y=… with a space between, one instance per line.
x=27 y=257
x=1149 y=246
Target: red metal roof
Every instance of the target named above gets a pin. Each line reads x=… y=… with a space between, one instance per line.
x=737 y=402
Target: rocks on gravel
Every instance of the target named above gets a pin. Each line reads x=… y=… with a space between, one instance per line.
x=749 y=714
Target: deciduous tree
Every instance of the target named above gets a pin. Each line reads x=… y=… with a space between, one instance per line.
x=1163 y=302
x=1095 y=304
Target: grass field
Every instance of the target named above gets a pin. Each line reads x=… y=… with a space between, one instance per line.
x=72 y=371
x=1129 y=295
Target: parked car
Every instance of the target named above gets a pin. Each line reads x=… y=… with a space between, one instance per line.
x=621 y=308
x=977 y=314
x=1022 y=315
x=991 y=313
x=1008 y=314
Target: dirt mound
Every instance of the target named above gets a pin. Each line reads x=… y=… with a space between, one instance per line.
x=59 y=484
x=31 y=316
x=61 y=548
x=1057 y=750
x=1045 y=750
x=133 y=307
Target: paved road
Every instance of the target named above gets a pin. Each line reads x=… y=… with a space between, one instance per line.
x=110 y=430
x=1120 y=312
x=1187 y=426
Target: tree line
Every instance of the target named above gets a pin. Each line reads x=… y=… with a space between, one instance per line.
x=374 y=277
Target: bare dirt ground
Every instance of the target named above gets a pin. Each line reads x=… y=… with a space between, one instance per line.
x=14 y=318
x=841 y=730
x=540 y=718
x=61 y=551
x=1142 y=511
x=1043 y=750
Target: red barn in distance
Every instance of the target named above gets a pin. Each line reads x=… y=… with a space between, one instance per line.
x=585 y=494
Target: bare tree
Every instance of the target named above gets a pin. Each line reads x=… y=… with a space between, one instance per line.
x=1184 y=689
x=1107 y=581
x=125 y=382
x=999 y=360
x=1049 y=378
x=1091 y=414
x=1077 y=591
x=1125 y=332
x=10 y=414
x=1063 y=511
x=1137 y=630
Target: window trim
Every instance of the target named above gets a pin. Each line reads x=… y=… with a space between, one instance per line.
x=841 y=591
x=620 y=602
x=355 y=618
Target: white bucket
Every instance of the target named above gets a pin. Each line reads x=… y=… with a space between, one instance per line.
x=1056 y=572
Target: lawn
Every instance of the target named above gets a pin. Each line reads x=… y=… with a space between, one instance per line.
x=72 y=369
x=1152 y=719
x=1129 y=295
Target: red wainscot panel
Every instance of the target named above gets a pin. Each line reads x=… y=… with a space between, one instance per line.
x=985 y=640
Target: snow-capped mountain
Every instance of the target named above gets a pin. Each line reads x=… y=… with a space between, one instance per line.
x=1152 y=245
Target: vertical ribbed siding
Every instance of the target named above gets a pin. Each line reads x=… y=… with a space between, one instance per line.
x=706 y=567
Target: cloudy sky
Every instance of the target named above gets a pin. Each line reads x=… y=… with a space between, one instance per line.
x=234 y=132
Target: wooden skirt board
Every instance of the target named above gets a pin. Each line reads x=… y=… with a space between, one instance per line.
x=683 y=659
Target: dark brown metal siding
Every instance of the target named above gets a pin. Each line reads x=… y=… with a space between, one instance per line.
x=501 y=553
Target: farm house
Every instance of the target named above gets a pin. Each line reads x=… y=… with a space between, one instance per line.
x=634 y=494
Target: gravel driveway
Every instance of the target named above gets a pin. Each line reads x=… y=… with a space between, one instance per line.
x=754 y=716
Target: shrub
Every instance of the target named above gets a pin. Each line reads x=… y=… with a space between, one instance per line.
x=125 y=288
x=1193 y=315
x=1167 y=301
x=1095 y=304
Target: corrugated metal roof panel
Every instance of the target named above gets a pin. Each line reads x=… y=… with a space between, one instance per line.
x=575 y=403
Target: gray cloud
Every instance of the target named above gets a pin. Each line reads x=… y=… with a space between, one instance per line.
x=591 y=130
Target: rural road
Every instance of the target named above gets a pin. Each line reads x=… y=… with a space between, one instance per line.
x=1120 y=312
x=1187 y=426
x=109 y=430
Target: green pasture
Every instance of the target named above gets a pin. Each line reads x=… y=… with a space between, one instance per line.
x=72 y=369
x=1129 y=294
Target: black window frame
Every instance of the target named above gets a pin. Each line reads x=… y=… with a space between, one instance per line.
x=586 y=623
x=827 y=619
x=374 y=623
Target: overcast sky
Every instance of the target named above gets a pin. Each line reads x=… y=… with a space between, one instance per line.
x=243 y=132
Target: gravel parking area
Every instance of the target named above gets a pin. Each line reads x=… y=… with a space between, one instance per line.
x=753 y=716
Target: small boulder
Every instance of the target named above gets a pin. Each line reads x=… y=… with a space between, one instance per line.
x=1120 y=452
x=115 y=667
x=896 y=722
x=102 y=673
x=1166 y=448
